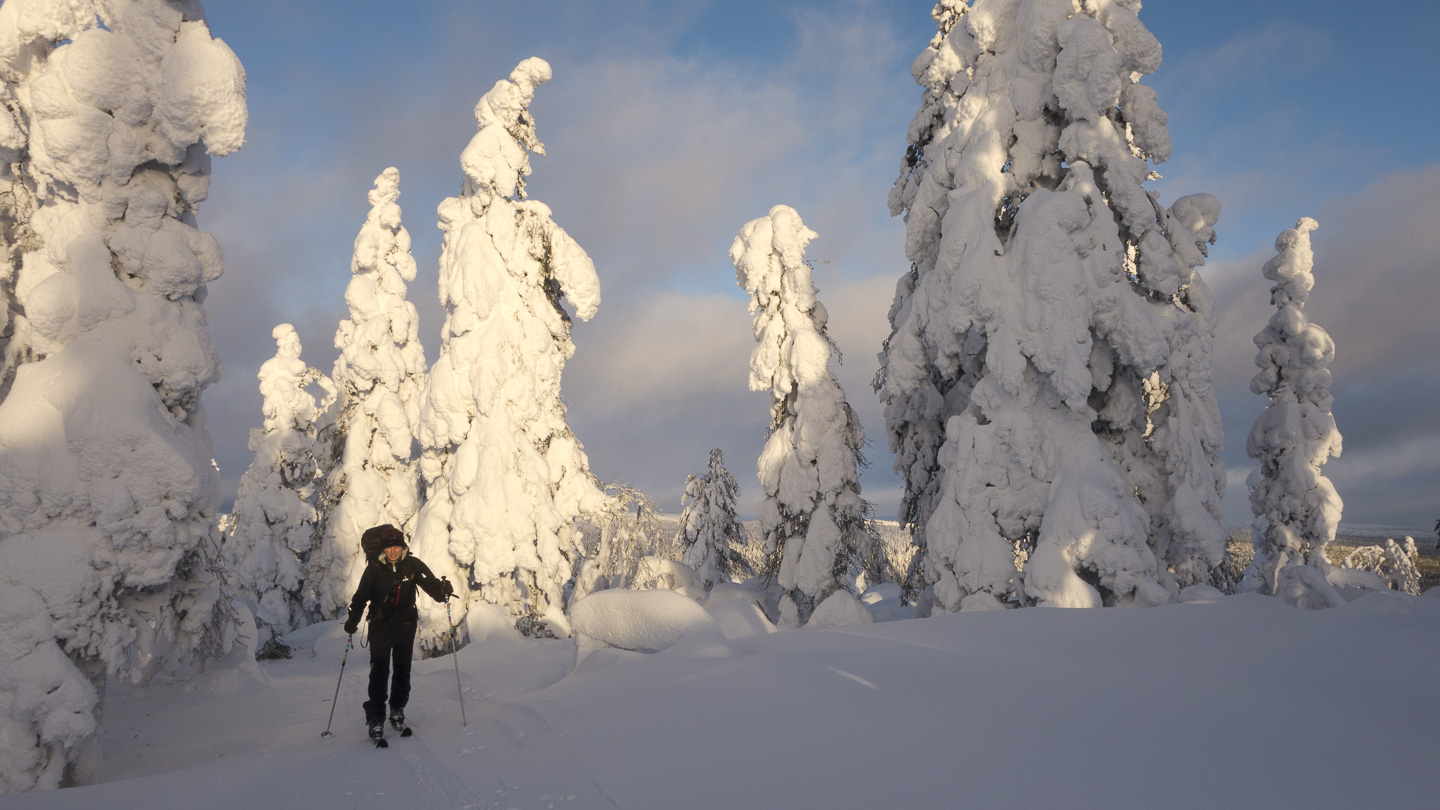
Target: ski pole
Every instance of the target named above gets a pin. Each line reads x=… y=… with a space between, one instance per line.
x=349 y=643
x=455 y=658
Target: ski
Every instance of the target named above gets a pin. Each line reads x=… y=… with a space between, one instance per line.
x=380 y=742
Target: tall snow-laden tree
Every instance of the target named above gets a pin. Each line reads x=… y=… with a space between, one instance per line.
x=1296 y=508
x=1046 y=380
x=505 y=477
x=273 y=528
x=17 y=204
x=108 y=491
x=710 y=529
x=810 y=512
x=372 y=473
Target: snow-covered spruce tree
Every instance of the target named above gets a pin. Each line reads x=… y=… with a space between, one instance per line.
x=710 y=530
x=811 y=511
x=1046 y=380
x=1296 y=508
x=108 y=494
x=274 y=521
x=505 y=478
x=373 y=471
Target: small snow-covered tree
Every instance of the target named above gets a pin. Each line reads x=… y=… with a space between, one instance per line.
x=1046 y=380
x=710 y=530
x=108 y=490
x=811 y=511
x=372 y=470
x=273 y=526
x=505 y=477
x=1296 y=508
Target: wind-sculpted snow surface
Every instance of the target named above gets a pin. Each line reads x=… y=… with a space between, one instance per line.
x=862 y=717
x=373 y=475
x=811 y=512
x=107 y=488
x=1046 y=380
x=505 y=477
x=273 y=525
x=1296 y=507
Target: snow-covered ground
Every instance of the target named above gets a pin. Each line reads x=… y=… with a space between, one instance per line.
x=1237 y=701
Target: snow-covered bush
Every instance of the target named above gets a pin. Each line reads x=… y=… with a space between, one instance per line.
x=811 y=511
x=710 y=530
x=273 y=524
x=505 y=478
x=1397 y=564
x=1296 y=507
x=108 y=492
x=1046 y=381
x=629 y=530
x=372 y=471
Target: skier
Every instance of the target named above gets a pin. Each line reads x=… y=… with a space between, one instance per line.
x=388 y=587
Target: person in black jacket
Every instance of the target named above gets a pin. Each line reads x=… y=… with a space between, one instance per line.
x=388 y=587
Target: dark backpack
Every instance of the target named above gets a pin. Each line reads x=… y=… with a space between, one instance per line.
x=375 y=539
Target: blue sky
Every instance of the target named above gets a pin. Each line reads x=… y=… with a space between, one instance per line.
x=669 y=125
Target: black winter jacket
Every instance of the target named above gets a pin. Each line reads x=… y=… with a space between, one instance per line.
x=390 y=590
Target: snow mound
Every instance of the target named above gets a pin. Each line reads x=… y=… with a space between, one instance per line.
x=739 y=618
x=879 y=592
x=647 y=622
x=839 y=609
x=1200 y=593
x=655 y=573
x=485 y=622
x=885 y=602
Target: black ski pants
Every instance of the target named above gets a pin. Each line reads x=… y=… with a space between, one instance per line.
x=390 y=642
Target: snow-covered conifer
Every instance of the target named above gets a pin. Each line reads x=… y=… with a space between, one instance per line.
x=274 y=521
x=372 y=474
x=811 y=511
x=1046 y=380
x=505 y=477
x=1296 y=508
x=108 y=493
x=710 y=528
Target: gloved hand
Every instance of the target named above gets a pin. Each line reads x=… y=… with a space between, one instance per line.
x=351 y=626
x=446 y=589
